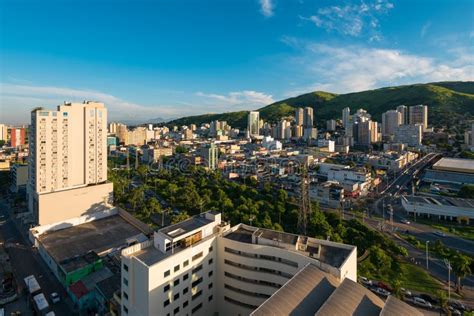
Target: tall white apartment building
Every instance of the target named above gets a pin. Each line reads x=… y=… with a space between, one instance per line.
x=412 y=135
x=346 y=114
x=299 y=116
x=403 y=109
x=308 y=117
x=390 y=121
x=68 y=150
x=253 y=123
x=3 y=132
x=419 y=115
x=202 y=266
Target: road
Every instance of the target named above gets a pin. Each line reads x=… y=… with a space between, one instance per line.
x=26 y=261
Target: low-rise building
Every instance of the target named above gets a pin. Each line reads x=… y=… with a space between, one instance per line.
x=329 y=193
x=451 y=170
x=19 y=177
x=439 y=207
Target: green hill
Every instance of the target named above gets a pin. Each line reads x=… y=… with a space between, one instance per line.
x=447 y=101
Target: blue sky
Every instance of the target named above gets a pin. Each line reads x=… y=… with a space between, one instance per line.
x=173 y=58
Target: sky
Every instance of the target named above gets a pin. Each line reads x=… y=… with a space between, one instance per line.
x=150 y=59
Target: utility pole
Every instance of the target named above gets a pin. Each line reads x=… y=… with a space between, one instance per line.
x=305 y=203
x=427 y=242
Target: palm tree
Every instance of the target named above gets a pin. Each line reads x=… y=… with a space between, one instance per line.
x=443 y=301
x=461 y=265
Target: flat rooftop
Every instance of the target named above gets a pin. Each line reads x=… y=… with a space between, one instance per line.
x=455 y=165
x=186 y=226
x=97 y=236
x=441 y=201
x=332 y=255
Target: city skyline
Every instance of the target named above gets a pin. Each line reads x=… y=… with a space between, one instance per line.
x=170 y=60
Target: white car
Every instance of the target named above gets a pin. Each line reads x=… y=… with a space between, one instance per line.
x=380 y=291
x=440 y=234
x=406 y=292
x=55 y=298
x=405 y=221
x=365 y=281
x=421 y=302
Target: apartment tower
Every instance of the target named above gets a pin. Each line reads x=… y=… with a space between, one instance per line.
x=253 y=123
x=68 y=154
x=419 y=115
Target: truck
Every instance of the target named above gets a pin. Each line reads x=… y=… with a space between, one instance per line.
x=32 y=285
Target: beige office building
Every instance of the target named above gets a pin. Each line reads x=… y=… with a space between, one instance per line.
x=390 y=121
x=3 y=132
x=202 y=266
x=68 y=153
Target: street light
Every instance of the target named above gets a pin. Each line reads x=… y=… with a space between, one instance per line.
x=427 y=242
x=448 y=265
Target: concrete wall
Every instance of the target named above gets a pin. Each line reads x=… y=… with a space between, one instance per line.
x=62 y=205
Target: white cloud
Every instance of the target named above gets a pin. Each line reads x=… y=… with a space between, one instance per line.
x=23 y=98
x=266 y=7
x=236 y=101
x=424 y=29
x=357 y=68
x=351 y=19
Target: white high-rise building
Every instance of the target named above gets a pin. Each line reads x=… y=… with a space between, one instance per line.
x=390 y=121
x=3 y=132
x=308 y=117
x=253 y=123
x=202 y=266
x=403 y=109
x=419 y=115
x=68 y=150
x=412 y=135
x=346 y=115
x=299 y=116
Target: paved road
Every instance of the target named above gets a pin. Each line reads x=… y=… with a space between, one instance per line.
x=26 y=261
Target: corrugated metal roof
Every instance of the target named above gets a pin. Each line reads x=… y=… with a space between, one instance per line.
x=395 y=307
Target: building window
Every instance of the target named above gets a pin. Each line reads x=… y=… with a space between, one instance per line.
x=197 y=256
x=185 y=304
x=185 y=277
x=176 y=268
x=185 y=290
x=210 y=273
x=210 y=286
x=209 y=298
x=176 y=296
x=210 y=249
x=166 y=303
x=167 y=273
x=125 y=295
x=166 y=288
x=198 y=268
x=196 y=295
x=185 y=264
x=176 y=282
x=125 y=281
x=196 y=308
x=211 y=261
x=125 y=267
x=176 y=310
x=196 y=282
x=125 y=309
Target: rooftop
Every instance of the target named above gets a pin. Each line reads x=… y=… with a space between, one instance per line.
x=441 y=201
x=187 y=226
x=328 y=252
x=97 y=236
x=304 y=294
x=455 y=165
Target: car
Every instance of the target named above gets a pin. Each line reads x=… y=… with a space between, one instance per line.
x=406 y=292
x=454 y=311
x=429 y=298
x=421 y=302
x=365 y=281
x=380 y=291
x=55 y=298
x=440 y=234
x=384 y=286
x=405 y=221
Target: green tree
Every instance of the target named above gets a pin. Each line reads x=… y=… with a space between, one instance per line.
x=443 y=301
x=182 y=216
x=467 y=191
x=461 y=265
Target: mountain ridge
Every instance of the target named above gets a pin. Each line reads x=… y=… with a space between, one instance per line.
x=446 y=101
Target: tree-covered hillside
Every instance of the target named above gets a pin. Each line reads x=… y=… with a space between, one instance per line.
x=447 y=101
